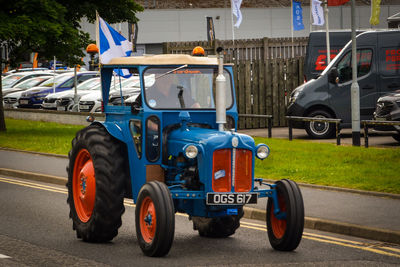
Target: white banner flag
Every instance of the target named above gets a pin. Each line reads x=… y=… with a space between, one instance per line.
x=317 y=13
x=236 y=11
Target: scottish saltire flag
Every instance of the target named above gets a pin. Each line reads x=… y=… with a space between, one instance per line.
x=112 y=44
x=317 y=13
x=297 y=16
x=236 y=11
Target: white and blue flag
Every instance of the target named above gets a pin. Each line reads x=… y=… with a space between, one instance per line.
x=112 y=44
x=317 y=13
x=236 y=11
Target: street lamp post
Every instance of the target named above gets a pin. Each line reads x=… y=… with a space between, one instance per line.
x=355 y=90
x=92 y=50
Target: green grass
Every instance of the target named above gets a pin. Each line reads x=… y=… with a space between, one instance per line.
x=38 y=136
x=373 y=169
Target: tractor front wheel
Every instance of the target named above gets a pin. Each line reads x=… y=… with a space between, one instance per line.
x=96 y=177
x=285 y=229
x=155 y=219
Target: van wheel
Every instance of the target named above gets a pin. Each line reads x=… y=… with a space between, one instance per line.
x=396 y=137
x=320 y=130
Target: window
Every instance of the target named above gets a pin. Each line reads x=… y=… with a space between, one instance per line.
x=152 y=138
x=364 y=59
x=183 y=88
x=135 y=127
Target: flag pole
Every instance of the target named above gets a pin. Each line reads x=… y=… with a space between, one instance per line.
x=233 y=30
x=328 y=46
x=291 y=25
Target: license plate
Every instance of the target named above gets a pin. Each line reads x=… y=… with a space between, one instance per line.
x=61 y=108
x=84 y=107
x=380 y=119
x=24 y=102
x=231 y=198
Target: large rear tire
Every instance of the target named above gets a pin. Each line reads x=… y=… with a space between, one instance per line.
x=320 y=130
x=155 y=219
x=218 y=227
x=96 y=178
x=285 y=233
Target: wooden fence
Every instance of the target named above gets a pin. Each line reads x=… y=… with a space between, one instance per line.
x=245 y=49
x=264 y=87
x=264 y=70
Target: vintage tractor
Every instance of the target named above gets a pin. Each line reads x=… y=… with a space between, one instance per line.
x=175 y=149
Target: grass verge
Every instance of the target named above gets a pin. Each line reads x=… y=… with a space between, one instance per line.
x=48 y=137
x=372 y=169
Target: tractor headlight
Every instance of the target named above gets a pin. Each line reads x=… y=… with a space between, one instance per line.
x=191 y=151
x=262 y=151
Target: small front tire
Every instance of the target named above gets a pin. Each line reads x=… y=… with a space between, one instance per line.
x=285 y=233
x=155 y=219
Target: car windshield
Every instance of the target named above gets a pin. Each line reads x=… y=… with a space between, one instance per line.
x=184 y=88
x=10 y=79
x=89 y=84
x=32 y=82
x=57 y=80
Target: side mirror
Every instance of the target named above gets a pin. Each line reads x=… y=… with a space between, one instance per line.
x=333 y=76
x=135 y=107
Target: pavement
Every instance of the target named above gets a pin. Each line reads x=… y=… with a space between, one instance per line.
x=370 y=215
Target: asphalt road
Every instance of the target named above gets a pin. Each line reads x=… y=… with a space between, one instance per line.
x=35 y=231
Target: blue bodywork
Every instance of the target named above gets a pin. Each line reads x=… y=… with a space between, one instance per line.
x=178 y=129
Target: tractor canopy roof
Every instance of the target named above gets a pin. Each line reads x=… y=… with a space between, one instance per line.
x=166 y=59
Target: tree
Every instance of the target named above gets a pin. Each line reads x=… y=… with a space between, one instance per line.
x=52 y=27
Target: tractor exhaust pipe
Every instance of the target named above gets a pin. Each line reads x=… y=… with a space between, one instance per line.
x=220 y=94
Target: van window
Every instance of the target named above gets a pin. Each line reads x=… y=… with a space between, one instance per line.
x=389 y=61
x=364 y=59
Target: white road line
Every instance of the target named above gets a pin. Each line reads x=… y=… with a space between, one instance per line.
x=4 y=256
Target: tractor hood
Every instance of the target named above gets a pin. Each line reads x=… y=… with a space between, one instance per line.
x=206 y=140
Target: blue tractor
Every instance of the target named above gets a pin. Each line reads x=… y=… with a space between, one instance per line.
x=174 y=149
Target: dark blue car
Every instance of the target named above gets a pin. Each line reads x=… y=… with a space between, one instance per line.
x=33 y=97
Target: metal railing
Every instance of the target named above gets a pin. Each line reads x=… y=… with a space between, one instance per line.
x=296 y=118
x=268 y=117
x=375 y=122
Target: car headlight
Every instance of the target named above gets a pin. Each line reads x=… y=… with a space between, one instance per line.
x=294 y=96
x=262 y=151
x=191 y=151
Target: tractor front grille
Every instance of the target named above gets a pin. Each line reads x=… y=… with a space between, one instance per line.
x=232 y=170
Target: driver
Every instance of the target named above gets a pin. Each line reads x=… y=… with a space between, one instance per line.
x=166 y=93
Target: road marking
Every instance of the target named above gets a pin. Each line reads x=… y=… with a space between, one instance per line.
x=4 y=256
x=379 y=249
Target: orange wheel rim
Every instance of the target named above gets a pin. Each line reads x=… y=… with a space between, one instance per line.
x=148 y=220
x=278 y=225
x=84 y=185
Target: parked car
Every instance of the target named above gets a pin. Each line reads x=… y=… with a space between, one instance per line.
x=13 y=79
x=329 y=96
x=64 y=100
x=388 y=109
x=27 y=84
x=34 y=97
x=92 y=102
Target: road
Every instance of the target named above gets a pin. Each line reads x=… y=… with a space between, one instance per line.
x=35 y=231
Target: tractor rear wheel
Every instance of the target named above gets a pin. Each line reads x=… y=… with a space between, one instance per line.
x=285 y=232
x=218 y=227
x=155 y=219
x=96 y=176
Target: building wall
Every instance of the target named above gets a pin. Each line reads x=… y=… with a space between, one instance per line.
x=170 y=25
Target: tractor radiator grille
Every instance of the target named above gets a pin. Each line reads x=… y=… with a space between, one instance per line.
x=232 y=169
